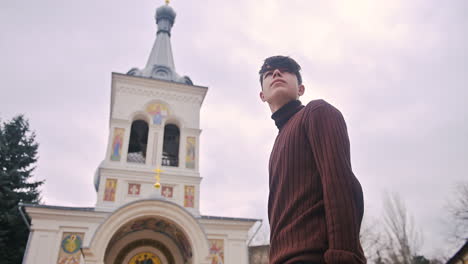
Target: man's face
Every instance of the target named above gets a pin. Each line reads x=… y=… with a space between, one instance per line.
x=279 y=87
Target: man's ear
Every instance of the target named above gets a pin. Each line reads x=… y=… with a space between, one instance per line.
x=301 y=90
x=262 y=96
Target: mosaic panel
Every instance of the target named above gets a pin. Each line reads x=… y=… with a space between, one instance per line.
x=158 y=112
x=134 y=189
x=69 y=252
x=216 y=251
x=189 y=196
x=190 y=155
x=111 y=188
x=167 y=191
x=117 y=143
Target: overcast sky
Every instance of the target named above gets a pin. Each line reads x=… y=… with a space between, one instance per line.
x=397 y=70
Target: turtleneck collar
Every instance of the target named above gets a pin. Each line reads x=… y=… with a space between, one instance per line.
x=282 y=115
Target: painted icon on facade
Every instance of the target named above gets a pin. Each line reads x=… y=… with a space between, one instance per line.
x=111 y=188
x=167 y=191
x=158 y=112
x=144 y=258
x=70 y=246
x=117 y=143
x=190 y=156
x=134 y=189
x=189 y=196
x=216 y=251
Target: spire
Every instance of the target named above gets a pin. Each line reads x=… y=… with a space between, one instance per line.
x=160 y=63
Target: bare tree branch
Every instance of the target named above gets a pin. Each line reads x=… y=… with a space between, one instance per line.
x=458 y=214
x=403 y=239
x=372 y=240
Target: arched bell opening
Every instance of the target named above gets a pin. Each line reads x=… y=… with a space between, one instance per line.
x=138 y=142
x=170 y=155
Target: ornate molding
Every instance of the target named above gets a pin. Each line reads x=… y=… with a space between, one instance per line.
x=160 y=94
x=158 y=208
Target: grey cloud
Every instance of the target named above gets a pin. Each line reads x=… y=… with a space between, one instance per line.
x=402 y=90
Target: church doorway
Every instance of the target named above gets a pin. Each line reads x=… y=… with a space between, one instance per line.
x=149 y=241
x=145 y=258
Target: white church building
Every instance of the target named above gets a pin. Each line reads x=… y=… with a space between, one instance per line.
x=148 y=185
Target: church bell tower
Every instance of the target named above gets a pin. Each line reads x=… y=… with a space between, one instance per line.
x=148 y=185
x=154 y=131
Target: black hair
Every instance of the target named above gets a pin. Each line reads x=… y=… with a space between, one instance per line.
x=281 y=62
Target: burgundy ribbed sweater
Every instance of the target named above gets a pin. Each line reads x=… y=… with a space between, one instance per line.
x=315 y=206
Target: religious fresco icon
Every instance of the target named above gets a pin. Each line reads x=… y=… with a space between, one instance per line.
x=109 y=192
x=117 y=143
x=70 y=248
x=158 y=112
x=167 y=191
x=145 y=258
x=71 y=244
x=190 y=156
x=216 y=251
x=189 y=196
x=134 y=189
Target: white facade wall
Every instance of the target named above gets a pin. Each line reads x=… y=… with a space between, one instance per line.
x=235 y=236
x=49 y=224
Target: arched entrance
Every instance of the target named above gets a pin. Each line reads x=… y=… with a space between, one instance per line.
x=148 y=232
x=148 y=240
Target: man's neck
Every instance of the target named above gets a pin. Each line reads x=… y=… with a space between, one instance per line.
x=282 y=115
x=276 y=106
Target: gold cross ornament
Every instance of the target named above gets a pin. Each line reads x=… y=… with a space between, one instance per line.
x=158 y=171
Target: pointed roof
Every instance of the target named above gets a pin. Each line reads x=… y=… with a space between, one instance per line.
x=160 y=63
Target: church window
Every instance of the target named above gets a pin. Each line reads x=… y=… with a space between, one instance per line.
x=138 y=142
x=170 y=156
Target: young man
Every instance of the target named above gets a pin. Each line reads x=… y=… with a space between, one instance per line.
x=315 y=205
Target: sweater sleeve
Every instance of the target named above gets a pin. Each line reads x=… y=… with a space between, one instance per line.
x=342 y=194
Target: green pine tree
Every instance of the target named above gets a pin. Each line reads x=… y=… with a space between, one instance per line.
x=420 y=260
x=18 y=154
